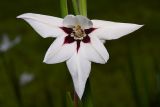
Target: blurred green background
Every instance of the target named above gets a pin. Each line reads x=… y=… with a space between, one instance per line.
x=131 y=78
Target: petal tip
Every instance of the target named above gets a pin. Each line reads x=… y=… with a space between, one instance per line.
x=80 y=95
x=19 y=17
x=25 y=15
x=106 y=60
x=46 y=61
x=139 y=26
x=136 y=27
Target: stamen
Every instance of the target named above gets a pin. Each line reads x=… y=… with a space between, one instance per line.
x=78 y=33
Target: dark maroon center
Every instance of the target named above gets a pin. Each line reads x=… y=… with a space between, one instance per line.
x=70 y=39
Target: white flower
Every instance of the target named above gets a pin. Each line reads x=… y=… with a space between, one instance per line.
x=78 y=42
x=25 y=78
x=6 y=43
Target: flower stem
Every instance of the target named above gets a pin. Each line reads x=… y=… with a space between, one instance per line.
x=64 y=8
x=75 y=6
x=75 y=99
x=83 y=7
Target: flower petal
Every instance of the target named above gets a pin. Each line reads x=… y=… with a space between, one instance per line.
x=46 y=26
x=70 y=21
x=92 y=54
x=103 y=41
x=84 y=22
x=79 y=68
x=100 y=49
x=59 y=52
x=111 y=30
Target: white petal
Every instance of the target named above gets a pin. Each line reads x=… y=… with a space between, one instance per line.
x=59 y=52
x=70 y=21
x=84 y=22
x=111 y=30
x=103 y=41
x=100 y=49
x=80 y=69
x=46 y=26
x=92 y=54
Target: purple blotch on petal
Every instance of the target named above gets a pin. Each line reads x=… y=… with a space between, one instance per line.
x=86 y=39
x=78 y=45
x=68 y=39
x=88 y=31
x=67 y=30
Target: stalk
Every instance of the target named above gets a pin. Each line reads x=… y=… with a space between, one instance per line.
x=64 y=8
x=75 y=7
x=83 y=7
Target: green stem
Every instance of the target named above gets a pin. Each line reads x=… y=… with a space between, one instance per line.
x=64 y=8
x=75 y=7
x=83 y=7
